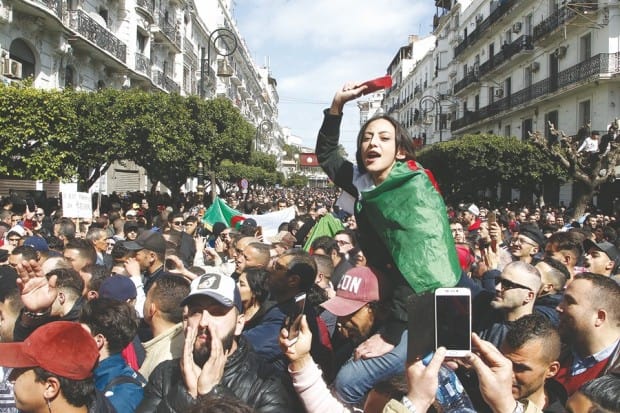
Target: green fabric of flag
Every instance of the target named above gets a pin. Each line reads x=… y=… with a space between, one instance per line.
x=219 y=211
x=328 y=225
x=410 y=218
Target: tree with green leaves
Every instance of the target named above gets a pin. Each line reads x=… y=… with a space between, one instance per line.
x=37 y=128
x=474 y=164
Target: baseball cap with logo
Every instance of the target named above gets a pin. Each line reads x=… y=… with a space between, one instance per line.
x=357 y=287
x=64 y=348
x=219 y=287
x=148 y=240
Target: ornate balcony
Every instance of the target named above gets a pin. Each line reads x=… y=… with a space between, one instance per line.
x=54 y=5
x=169 y=30
x=162 y=80
x=481 y=27
x=561 y=16
x=89 y=29
x=146 y=5
x=188 y=51
x=143 y=64
x=600 y=66
x=523 y=43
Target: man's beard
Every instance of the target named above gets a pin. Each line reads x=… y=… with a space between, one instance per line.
x=202 y=354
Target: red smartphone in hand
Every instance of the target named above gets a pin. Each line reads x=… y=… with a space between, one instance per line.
x=379 y=83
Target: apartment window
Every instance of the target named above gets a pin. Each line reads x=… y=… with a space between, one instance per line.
x=585 y=47
x=69 y=77
x=553 y=118
x=477 y=103
x=507 y=131
x=141 y=41
x=526 y=126
x=21 y=51
x=584 y=113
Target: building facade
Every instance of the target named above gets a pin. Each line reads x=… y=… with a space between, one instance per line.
x=175 y=46
x=509 y=67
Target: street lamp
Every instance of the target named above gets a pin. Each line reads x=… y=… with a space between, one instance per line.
x=435 y=104
x=223 y=70
x=264 y=127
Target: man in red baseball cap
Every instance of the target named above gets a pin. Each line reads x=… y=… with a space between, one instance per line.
x=53 y=370
x=361 y=305
x=357 y=303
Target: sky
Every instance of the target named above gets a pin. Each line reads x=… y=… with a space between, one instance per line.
x=315 y=46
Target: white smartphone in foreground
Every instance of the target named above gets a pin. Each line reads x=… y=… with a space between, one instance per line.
x=453 y=320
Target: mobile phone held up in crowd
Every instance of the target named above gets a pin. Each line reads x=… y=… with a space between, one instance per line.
x=492 y=219
x=379 y=83
x=453 y=320
x=421 y=326
x=293 y=319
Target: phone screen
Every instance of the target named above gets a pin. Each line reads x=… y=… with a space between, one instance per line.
x=293 y=319
x=453 y=322
x=421 y=322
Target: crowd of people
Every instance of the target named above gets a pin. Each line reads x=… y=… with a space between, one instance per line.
x=147 y=308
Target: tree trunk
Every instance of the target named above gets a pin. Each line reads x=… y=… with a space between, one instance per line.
x=585 y=192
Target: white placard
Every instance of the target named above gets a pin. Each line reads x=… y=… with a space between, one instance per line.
x=76 y=205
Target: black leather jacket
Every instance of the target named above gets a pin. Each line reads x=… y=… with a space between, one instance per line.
x=245 y=377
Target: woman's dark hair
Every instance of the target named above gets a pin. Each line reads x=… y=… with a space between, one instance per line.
x=404 y=143
x=257 y=281
x=77 y=392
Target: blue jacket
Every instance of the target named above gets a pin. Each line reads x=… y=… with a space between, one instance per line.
x=125 y=396
x=263 y=335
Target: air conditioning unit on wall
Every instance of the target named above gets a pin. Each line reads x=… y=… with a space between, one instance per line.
x=534 y=66
x=11 y=68
x=499 y=92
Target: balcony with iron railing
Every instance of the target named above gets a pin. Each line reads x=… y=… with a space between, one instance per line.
x=188 y=51
x=162 y=80
x=472 y=76
x=143 y=64
x=169 y=30
x=561 y=16
x=54 y=5
x=484 y=25
x=523 y=43
x=586 y=71
x=147 y=6
x=89 y=29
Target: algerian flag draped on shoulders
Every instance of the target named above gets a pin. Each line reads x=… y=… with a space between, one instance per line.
x=408 y=214
x=219 y=211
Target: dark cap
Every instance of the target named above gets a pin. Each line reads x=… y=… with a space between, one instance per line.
x=38 y=243
x=129 y=225
x=119 y=288
x=249 y=223
x=533 y=233
x=606 y=247
x=148 y=240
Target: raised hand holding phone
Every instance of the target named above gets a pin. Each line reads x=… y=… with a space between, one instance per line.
x=292 y=324
x=453 y=321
